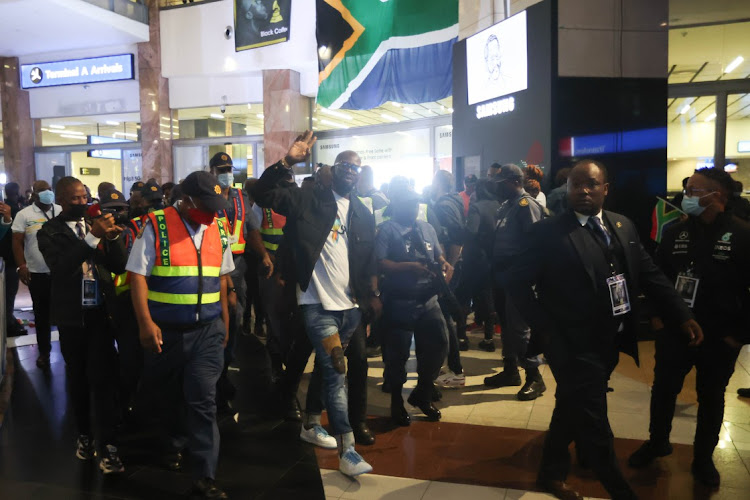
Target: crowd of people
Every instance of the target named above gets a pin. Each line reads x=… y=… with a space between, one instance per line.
x=155 y=290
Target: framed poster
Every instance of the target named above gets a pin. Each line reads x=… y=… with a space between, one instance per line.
x=258 y=23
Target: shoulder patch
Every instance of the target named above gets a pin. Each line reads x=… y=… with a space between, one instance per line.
x=523 y=202
x=140 y=231
x=618 y=224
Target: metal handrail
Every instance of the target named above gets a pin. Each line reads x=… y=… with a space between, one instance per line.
x=132 y=9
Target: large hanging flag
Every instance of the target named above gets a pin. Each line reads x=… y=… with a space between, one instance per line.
x=370 y=52
x=664 y=215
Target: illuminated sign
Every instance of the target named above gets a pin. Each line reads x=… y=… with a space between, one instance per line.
x=498 y=107
x=91 y=171
x=743 y=147
x=78 y=71
x=614 y=142
x=109 y=154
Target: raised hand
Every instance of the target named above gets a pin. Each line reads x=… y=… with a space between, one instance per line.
x=301 y=148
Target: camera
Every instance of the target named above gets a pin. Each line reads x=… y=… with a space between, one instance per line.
x=223 y=109
x=228 y=32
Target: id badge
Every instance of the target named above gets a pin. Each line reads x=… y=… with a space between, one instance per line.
x=618 y=295
x=233 y=239
x=89 y=292
x=687 y=286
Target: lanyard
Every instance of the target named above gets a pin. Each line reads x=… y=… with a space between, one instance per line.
x=608 y=254
x=45 y=213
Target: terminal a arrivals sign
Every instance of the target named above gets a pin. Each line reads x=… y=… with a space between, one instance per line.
x=78 y=71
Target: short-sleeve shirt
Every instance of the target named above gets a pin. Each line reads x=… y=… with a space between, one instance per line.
x=143 y=254
x=29 y=221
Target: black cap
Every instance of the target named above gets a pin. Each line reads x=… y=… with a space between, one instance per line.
x=151 y=191
x=203 y=186
x=470 y=179
x=113 y=199
x=137 y=186
x=509 y=171
x=220 y=160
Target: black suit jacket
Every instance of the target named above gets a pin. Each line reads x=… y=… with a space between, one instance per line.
x=569 y=311
x=65 y=254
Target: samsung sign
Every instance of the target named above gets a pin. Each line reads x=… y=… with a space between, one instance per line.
x=78 y=71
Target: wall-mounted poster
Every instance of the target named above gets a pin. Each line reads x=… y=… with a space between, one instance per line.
x=258 y=23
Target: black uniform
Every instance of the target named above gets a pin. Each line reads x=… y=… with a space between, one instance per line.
x=514 y=220
x=718 y=255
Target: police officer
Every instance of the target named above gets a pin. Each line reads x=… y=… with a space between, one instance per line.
x=707 y=258
x=515 y=217
x=242 y=230
x=180 y=266
x=403 y=247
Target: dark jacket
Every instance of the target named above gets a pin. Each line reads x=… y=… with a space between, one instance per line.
x=719 y=255
x=310 y=216
x=65 y=254
x=569 y=310
x=449 y=210
x=480 y=230
x=557 y=200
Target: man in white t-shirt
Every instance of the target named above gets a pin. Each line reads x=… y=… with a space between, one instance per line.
x=32 y=270
x=331 y=238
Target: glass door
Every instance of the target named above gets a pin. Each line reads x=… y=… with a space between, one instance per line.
x=52 y=167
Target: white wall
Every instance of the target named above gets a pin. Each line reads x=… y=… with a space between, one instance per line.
x=82 y=100
x=694 y=140
x=194 y=47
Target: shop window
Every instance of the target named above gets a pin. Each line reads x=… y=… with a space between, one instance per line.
x=738 y=138
x=691 y=123
x=98 y=129
x=233 y=121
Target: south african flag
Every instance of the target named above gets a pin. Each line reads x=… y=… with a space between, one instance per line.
x=664 y=214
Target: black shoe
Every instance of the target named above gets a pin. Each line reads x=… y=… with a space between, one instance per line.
x=647 y=453
x=559 y=489
x=42 y=362
x=487 y=345
x=744 y=393
x=437 y=394
x=374 y=352
x=505 y=378
x=172 y=461
x=206 y=488
x=532 y=389
x=292 y=412
x=705 y=472
x=399 y=415
x=432 y=413
x=386 y=387
x=16 y=330
x=362 y=434
x=259 y=331
x=337 y=359
x=463 y=344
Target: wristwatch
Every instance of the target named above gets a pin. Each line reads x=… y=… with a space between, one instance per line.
x=376 y=293
x=232 y=290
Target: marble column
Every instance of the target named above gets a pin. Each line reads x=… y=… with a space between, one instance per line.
x=156 y=135
x=286 y=112
x=18 y=127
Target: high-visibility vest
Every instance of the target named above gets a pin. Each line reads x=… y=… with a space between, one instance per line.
x=272 y=229
x=237 y=234
x=185 y=284
x=380 y=216
x=122 y=281
x=367 y=201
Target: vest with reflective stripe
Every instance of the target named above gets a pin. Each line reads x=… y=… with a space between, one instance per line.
x=272 y=229
x=367 y=201
x=122 y=281
x=237 y=235
x=185 y=285
x=380 y=216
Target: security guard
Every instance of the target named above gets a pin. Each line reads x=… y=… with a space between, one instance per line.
x=403 y=247
x=707 y=257
x=242 y=230
x=516 y=214
x=180 y=266
x=271 y=289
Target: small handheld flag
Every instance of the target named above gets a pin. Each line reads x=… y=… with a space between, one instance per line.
x=664 y=214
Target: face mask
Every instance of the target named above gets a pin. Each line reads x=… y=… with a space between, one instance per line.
x=76 y=212
x=225 y=180
x=46 y=197
x=199 y=216
x=691 y=204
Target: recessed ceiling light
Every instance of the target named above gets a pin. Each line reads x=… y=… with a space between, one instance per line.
x=685 y=109
x=388 y=117
x=59 y=127
x=113 y=123
x=733 y=65
x=710 y=117
x=336 y=114
x=217 y=116
x=70 y=136
x=259 y=115
x=333 y=124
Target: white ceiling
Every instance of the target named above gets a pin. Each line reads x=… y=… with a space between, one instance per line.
x=37 y=26
x=686 y=12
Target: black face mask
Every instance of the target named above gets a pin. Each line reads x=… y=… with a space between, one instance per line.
x=76 y=212
x=159 y=205
x=137 y=212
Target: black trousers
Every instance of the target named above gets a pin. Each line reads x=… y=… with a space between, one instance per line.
x=426 y=323
x=714 y=361
x=129 y=348
x=40 y=288
x=580 y=415
x=91 y=368
x=11 y=290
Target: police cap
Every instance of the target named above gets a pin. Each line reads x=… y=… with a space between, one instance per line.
x=113 y=199
x=220 y=160
x=509 y=172
x=151 y=191
x=203 y=186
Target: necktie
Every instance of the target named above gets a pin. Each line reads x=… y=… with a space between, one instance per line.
x=79 y=230
x=598 y=228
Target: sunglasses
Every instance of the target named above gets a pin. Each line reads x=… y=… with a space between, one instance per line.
x=350 y=166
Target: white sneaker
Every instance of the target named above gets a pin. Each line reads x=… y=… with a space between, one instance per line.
x=352 y=464
x=450 y=380
x=318 y=436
